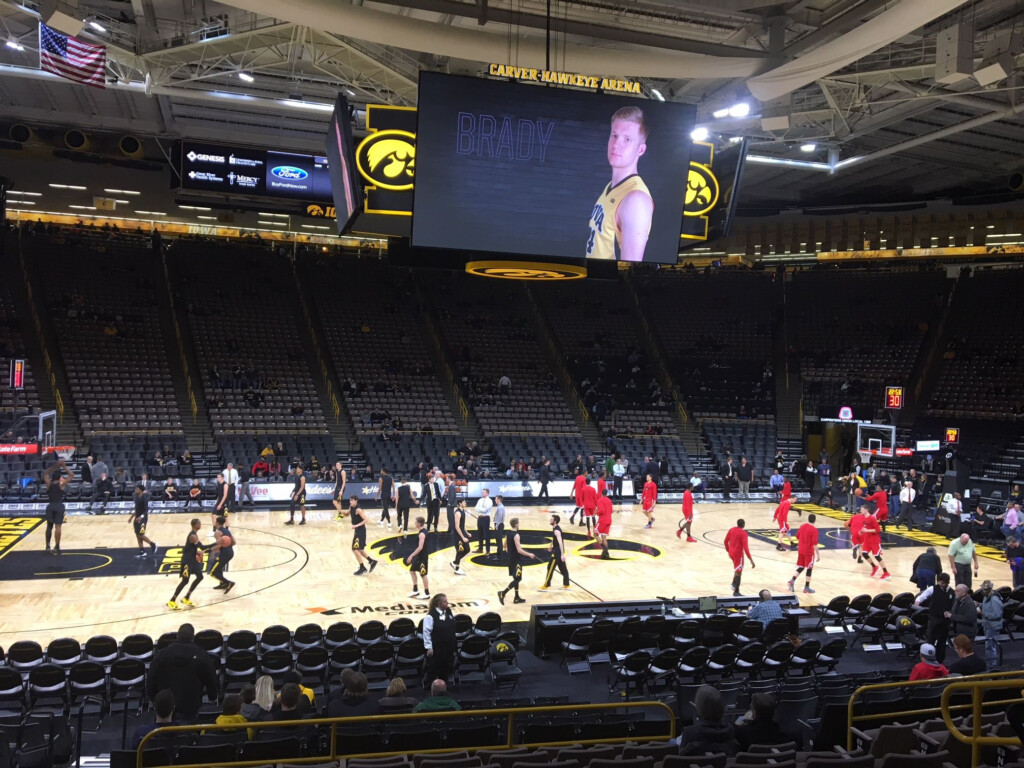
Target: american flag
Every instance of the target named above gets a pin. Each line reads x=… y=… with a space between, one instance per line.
x=72 y=59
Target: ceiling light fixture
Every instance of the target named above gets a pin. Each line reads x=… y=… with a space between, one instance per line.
x=15 y=45
x=699 y=134
x=312 y=106
x=657 y=94
x=739 y=110
x=122 y=191
x=808 y=147
x=246 y=77
x=718 y=114
x=97 y=26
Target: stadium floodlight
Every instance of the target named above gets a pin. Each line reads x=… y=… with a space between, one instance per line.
x=246 y=77
x=699 y=134
x=808 y=147
x=742 y=109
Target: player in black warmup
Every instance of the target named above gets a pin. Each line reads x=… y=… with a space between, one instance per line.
x=191 y=565
x=461 y=537
x=55 y=512
x=298 y=497
x=358 y=518
x=386 y=495
x=405 y=502
x=140 y=519
x=418 y=561
x=340 y=481
x=225 y=553
x=557 y=550
x=516 y=553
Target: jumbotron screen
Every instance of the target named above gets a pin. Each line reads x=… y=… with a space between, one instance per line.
x=532 y=170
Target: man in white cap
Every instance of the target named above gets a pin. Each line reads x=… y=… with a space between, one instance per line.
x=929 y=667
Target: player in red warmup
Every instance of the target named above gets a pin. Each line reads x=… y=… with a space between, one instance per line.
x=807 y=553
x=856 y=526
x=590 y=507
x=881 y=501
x=871 y=544
x=577 y=491
x=604 y=524
x=602 y=484
x=787 y=491
x=648 y=500
x=737 y=544
x=781 y=516
x=687 y=521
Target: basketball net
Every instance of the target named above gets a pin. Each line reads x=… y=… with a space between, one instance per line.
x=65 y=452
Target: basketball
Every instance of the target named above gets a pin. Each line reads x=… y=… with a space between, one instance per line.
x=859 y=492
x=225 y=541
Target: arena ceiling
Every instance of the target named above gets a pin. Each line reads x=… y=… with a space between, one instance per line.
x=857 y=79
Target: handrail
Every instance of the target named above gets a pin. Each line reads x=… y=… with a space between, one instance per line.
x=984 y=679
x=334 y=722
x=47 y=363
x=976 y=687
x=177 y=335
x=435 y=337
x=314 y=340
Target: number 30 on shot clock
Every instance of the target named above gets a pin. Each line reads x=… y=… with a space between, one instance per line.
x=894 y=397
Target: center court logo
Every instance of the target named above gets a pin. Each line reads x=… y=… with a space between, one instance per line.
x=387 y=159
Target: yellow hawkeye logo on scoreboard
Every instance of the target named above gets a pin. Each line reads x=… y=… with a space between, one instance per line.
x=387 y=159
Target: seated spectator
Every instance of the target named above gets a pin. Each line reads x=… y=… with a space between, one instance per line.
x=758 y=726
x=274 y=471
x=291 y=704
x=163 y=709
x=968 y=663
x=295 y=677
x=186 y=458
x=710 y=732
x=102 y=490
x=928 y=668
x=439 y=700
x=231 y=713
x=256 y=703
x=697 y=483
x=260 y=468
x=767 y=610
x=395 y=700
x=170 y=489
x=353 y=700
x=267 y=452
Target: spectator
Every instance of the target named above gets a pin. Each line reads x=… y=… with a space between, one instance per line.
x=231 y=713
x=258 y=699
x=710 y=732
x=163 y=709
x=1015 y=559
x=439 y=636
x=394 y=699
x=289 y=704
x=776 y=481
x=353 y=700
x=961 y=555
x=964 y=614
x=170 y=490
x=926 y=568
x=260 y=468
x=967 y=663
x=100 y=468
x=195 y=494
x=439 y=700
x=274 y=471
x=186 y=459
x=758 y=726
x=1011 y=520
x=767 y=610
x=991 y=624
x=940 y=606
x=504 y=384
x=187 y=671
x=929 y=667
x=697 y=484
x=102 y=490
x=294 y=677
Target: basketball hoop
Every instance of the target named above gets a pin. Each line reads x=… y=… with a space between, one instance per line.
x=65 y=452
x=865 y=457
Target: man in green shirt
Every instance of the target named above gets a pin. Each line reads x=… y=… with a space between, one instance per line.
x=961 y=555
x=439 y=700
x=609 y=466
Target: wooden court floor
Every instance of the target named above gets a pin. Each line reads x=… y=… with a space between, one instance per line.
x=297 y=574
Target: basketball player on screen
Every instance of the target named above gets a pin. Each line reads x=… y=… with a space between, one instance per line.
x=621 y=220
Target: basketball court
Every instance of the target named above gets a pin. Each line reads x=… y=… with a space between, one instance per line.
x=297 y=574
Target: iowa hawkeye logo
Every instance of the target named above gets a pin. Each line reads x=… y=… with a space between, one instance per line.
x=387 y=159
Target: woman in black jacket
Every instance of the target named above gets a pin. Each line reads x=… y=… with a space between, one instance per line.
x=710 y=733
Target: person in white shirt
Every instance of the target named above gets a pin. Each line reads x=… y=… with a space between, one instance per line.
x=231 y=478
x=482 y=513
x=907 y=496
x=955 y=506
x=697 y=483
x=619 y=472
